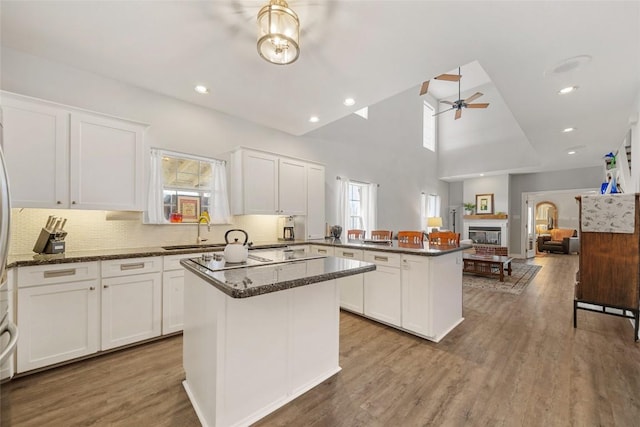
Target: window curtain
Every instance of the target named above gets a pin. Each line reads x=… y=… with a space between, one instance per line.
x=429 y=207
x=371 y=208
x=344 y=216
x=219 y=203
x=154 y=212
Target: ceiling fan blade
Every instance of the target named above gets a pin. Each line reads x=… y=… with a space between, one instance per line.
x=478 y=105
x=437 y=114
x=447 y=102
x=472 y=97
x=458 y=114
x=449 y=77
x=424 y=88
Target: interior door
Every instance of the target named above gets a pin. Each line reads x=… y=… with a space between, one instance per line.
x=530 y=229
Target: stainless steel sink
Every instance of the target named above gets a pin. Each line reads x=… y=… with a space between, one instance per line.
x=195 y=246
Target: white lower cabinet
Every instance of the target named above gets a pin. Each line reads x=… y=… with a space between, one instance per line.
x=321 y=250
x=131 y=301
x=382 y=288
x=172 y=301
x=58 y=313
x=351 y=287
x=416 y=295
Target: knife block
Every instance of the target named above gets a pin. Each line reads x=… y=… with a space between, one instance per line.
x=50 y=243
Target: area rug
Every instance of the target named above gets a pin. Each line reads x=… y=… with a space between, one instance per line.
x=521 y=274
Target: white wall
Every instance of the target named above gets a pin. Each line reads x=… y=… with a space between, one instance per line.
x=395 y=159
x=497 y=185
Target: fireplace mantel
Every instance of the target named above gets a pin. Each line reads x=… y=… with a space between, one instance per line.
x=498 y=216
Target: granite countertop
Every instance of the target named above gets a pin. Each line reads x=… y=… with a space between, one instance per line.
x=256 y=280
x=393 y=246
x=21 y=260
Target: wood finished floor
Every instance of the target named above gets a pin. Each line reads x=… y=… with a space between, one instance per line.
x=515 y=361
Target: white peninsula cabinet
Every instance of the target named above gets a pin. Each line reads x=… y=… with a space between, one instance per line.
x=58 y=313
x=431 y=294
x=173 y=293
x=131 y=300
x=268 y=184
x=382 y=289
x=76 y=159
x=351 y=287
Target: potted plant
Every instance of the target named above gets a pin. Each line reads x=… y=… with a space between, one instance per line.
x=468 y=208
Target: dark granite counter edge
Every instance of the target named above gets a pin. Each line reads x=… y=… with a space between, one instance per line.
x=278 y=286
x=441 y=250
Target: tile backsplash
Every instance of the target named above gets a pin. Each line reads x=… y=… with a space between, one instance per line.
x=94 y=230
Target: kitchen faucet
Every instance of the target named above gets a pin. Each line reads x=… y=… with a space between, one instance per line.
x=206 y=221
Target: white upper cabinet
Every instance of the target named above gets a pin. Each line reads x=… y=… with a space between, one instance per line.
x=268 y=184
x=107 y=164
x=292 y=187
x=36 y=144
x=315 y=202
x=61 y=157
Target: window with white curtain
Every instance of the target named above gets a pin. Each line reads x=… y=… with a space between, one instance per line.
x=186 y=184
x=358 y=205
x=429 y=207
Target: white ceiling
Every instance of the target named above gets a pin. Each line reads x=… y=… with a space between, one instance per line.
x=368 y=50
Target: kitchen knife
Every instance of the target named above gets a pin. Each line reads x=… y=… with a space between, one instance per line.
x=57 y=226
x=64 y=221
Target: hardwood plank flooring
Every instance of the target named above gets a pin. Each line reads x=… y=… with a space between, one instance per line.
x=516 y=360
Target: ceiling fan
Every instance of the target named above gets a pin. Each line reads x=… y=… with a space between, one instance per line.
x=460 y=103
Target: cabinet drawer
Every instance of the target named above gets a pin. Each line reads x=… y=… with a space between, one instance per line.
x=350 y=253
x=129 y=266
x=322 y=250
x=172 y=262
x=56 y=273
x=382 y=258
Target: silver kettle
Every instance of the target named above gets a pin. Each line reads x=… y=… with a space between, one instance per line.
x=236 y=252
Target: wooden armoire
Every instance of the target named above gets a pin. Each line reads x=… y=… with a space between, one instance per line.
x=609 y=266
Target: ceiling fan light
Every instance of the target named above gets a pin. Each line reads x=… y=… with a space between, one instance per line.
x=567 y=90
x=278 y=33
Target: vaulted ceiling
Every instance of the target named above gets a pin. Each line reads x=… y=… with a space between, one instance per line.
x=371 y=51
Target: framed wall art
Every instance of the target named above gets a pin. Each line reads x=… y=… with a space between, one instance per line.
x=189 y=207
x=484 y=204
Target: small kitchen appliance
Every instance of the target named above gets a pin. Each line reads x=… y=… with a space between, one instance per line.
x=236 y=252
x=285 y=228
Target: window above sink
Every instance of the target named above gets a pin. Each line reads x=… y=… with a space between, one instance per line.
x=183 y=187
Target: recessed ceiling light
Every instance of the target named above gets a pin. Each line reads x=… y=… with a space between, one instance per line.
x=571 y=152
x=201 y=89
x=481 y=174
x=314 y=119
x=567 y=130
x=567 y=90
x=349 y=102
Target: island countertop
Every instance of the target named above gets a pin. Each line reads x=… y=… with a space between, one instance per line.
x=392 y=246
x=253 y=280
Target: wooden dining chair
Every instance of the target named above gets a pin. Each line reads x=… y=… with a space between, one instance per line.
x=356 y=234
x=444 y=238
x=411 y=237
x=381 y=234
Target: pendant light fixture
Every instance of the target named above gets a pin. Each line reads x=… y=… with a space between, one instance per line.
x=278 y=33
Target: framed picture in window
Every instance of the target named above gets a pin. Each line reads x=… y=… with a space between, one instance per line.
x=484 y=204
x=189 y=207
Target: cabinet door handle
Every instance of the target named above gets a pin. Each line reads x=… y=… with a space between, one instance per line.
x=105 y=286
x=381 y=258
x=92 y=288
x=59 y=273
x=73 y=202
x=58 y=202
x=322 y=251
x=134 y=266
x=347 y=254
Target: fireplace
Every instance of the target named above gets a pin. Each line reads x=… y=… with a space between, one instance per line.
x=485 y=235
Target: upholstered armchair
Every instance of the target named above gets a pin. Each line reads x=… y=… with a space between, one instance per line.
x=562 y=240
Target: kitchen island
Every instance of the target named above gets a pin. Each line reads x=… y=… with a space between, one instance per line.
x=257 y=337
